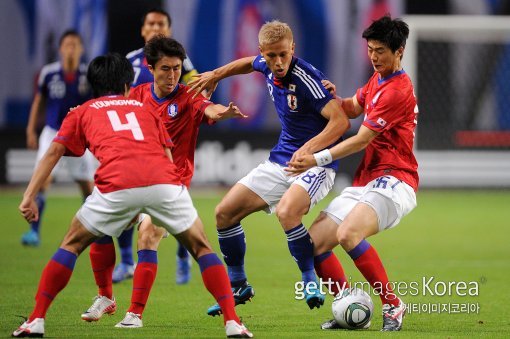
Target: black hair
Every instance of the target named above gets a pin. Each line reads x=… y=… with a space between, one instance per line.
x=392 y=33
x=160 y=46
x=69 y=32
x=159 y=11
x=109 y=74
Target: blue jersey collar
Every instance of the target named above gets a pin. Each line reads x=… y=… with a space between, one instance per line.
x=169 y=96
x=381 y=80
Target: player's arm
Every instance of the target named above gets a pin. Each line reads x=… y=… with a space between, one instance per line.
x=28 y=206
x=218 y=112
x=347 y=147
x=350 y=105
x=31 y=131
x=209 y=80
x=338 y=123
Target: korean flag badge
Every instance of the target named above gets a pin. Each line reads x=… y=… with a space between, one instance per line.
x=172 y=110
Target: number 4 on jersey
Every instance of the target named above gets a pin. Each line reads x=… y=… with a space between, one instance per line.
x=131 y=125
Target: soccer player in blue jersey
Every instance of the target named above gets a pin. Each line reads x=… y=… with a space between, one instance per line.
x=311 y=119
x=155 y=22
x=61 y=86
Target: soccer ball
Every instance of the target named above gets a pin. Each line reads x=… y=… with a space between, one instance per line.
x=353 y=308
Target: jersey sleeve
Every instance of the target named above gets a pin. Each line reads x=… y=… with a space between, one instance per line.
x=200 y=103
x=259 y=64
x=388 y=110
x=71 y=134
x=361 y=95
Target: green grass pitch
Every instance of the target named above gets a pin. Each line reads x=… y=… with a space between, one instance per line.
x=453 y=237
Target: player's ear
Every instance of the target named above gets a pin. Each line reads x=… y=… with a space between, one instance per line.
x=260 y=49
x=150 y=69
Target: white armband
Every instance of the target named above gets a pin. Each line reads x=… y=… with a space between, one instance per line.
x=323 y=157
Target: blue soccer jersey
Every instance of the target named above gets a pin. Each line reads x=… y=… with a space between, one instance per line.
x=299 y=99
x=143 y=75
x=62 y=91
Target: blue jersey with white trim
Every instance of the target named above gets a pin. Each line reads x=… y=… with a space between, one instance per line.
x=62 y=91
x=299 y=99
x=143 y=75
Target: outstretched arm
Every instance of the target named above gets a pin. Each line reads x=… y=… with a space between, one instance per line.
x=209 y=80
x=219 y=112
x=28 y=206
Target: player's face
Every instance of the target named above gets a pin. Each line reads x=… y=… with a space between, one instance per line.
x=384 y=61
x=71 y=49
x=278 y=56
x=166 y=75
x=155 y=24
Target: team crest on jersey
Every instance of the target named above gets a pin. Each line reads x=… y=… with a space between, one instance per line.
x=292 y=87
x=172 y=110
x=292 y=101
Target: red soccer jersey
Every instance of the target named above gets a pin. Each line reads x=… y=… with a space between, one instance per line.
x=181 y=116
x=390 y=109
x=127 y=139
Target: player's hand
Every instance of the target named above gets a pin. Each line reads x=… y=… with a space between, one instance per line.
x=329 y=86
x=300 y=164
x=29 y=210
x=31 y=140
x=231 y=111
x=73 y=108
x=203 y=82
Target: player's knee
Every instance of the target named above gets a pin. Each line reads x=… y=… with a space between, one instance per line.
x=347 y=237
x=288 y=216
x=149 y=236
x=223 y=216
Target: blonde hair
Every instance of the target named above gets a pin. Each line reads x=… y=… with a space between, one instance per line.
x=274 y=31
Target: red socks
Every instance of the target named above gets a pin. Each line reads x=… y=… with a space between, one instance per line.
x=54 y=278
x=102 y=258
x=217 y=283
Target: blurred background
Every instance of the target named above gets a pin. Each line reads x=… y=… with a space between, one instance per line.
x=458 y=56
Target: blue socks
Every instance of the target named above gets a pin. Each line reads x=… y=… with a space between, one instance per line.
x=182 y=252
x=40 y=200
x=125 y=245
x=301 y=249
x=233 y=247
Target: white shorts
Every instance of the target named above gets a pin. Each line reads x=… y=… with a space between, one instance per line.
x=80 y=169
x=170 y=206
x=390 y=198
x=269 y=181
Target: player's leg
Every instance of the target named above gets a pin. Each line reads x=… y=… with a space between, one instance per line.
x=183 y=267
x=239 y=202
x=102 y=259
x=149 y=237
x=214 y=276
x=327 y=266
x=383 y=203
x=125 y=269
x=306 y=190
x=55 y=276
